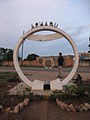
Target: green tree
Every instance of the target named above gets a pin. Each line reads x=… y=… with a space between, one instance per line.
x=6 y=55
x=32 y=57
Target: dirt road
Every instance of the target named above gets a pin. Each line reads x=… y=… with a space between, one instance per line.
x=48 y=74
x=45 y=110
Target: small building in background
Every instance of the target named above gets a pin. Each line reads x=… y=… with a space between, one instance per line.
x=68 y=61
x=84 y=59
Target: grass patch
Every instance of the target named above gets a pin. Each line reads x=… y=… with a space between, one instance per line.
x=6 y=75
x=78 y=92
x=9 y=76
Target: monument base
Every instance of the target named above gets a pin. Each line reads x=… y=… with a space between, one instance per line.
x=56 y=84
x=37 y=87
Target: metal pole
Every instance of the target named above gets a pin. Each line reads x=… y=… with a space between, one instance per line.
x=22 y=51
x=89 y=51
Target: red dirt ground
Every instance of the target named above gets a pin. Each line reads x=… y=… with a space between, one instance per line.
x=44 y=110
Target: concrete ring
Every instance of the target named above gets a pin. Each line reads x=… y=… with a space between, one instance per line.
x=52 y=61
x=45 y=28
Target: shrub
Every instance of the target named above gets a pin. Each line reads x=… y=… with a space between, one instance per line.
x=72 y=92
x=33 y=97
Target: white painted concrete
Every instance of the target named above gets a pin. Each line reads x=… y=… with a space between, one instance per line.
x=45 y=28
x=52 y=63
x=44 y=37
x=19 y=89
x=56 y=84
x=37 y=85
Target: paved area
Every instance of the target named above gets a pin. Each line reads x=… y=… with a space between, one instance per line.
x=68 y=69
x=48 y=74
x=21 y=88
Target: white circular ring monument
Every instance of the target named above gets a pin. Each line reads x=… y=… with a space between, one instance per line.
x=52 y=63
x=58 y=33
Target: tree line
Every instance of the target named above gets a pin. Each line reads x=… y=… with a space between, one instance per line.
x=7 y=55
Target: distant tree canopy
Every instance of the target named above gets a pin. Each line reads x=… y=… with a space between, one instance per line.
x=6 y=54
x=32 y=57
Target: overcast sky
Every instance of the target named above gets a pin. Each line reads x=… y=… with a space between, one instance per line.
x=73 y=17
